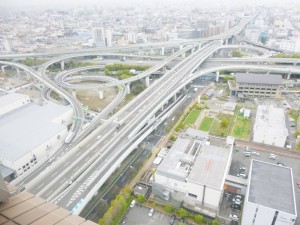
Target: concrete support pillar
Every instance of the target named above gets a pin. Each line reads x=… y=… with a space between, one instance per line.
x=173 y=50
x=27 y=75
x=288 y=76
x=268 y=72
x=62 y=65
x=147 y=81
x=199 y=45
x=192 y=50
x=226 y=41
x=101 y=94
x=139 y=52
x=175 y=97
x=183 y=55
x=164 y=69
x=217 y=76
x=247 y=71
x=128 y=88
x=162 y=51
x=18 y=71
x=180 y=47
x=74 y=93
x=3 y=68
x=151 y=51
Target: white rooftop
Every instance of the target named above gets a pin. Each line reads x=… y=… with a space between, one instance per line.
x=271 y=121
x=26 y=128
x=211 y=166
x=11 y=97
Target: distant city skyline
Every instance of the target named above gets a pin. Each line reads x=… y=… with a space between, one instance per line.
x=196 y=3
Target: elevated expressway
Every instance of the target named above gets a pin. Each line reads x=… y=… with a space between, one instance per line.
x=95 y=163
x=75 y=197
x=115 y=144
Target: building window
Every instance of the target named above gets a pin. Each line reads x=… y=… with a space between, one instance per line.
x=192 y=195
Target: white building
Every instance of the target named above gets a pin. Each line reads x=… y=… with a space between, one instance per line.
x=270 y=127
x=32 y=134
x=270 y=197
x=12 y=101
x=193 y=172
x=99 y=37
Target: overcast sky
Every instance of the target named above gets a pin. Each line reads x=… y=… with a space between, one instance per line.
x=143 y=2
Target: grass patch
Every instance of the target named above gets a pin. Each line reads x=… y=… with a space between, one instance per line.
x=242 y=128
x=192 y=117
x=217 y=128
x=206 y=123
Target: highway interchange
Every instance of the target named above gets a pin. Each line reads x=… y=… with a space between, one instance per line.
x=71 y=181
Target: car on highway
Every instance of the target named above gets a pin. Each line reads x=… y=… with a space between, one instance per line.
x=151 y=212
x=132 y=204
x=98 y=137
x=51 y=160
x=272 y=156
x=172 y=219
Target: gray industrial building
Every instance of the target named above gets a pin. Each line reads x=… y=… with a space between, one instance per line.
x=248 y=85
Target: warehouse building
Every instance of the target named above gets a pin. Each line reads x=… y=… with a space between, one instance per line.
x=270 y=127
x=255 y=85
x=31 y=133
x=270 y=197
x=193 y=172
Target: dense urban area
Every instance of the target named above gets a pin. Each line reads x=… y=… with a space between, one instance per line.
x=150 y=113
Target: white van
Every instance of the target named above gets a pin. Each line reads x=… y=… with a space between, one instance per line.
x=132 y=204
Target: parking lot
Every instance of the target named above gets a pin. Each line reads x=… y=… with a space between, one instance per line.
x=138 y=215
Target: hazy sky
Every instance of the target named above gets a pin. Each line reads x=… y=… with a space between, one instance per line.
x=141 y=2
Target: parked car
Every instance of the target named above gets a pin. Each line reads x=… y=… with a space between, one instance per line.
x=280 y=164
x=272 y=156
x=237 y=201
x=234 y=217
x=172 y=219
x=132 y=204
x=247 y=154
x=151 y=212
x=242 y=174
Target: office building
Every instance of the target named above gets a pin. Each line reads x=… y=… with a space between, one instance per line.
x=99 y=37
x=193 y=172
x=269 y=127
x=255 y=85
x=270 y=197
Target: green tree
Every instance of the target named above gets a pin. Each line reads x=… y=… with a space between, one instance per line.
x=199 y=219
x=181 y=223
x=216 y=222
x=182 y=212
x=141 y=199
x=169 y=208
x=224 y=122
x=297 y=133
x=237 y=54
x=107 y=71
